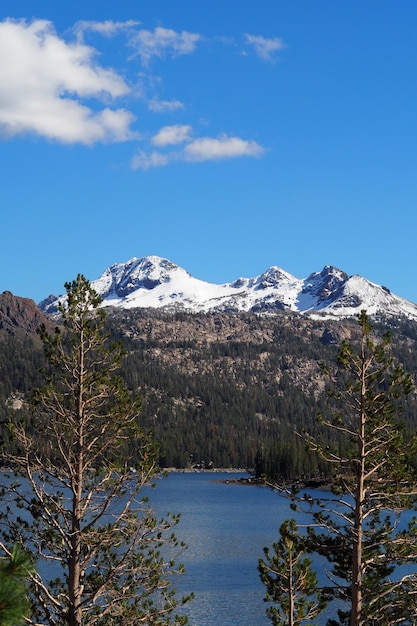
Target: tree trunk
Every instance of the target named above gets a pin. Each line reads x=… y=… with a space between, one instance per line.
x=356 y=585
x=75 y=573
x=75 y=570
x=290 y=592
x=357 y=531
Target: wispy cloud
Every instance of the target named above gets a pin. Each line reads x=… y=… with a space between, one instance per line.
x=162 y=42
x=265 y=47
x=195 y=150
x=162 y=106
x=224 y=147
x=144 y=160
x=171 y=135
x=43 y=80
x=56 y=88
x=107 y=28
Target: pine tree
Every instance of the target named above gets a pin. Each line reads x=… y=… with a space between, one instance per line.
x=373 y=484
x=291 y=583
x=78 y=499
x=15 y=570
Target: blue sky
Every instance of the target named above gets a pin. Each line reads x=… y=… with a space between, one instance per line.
x=226 y=136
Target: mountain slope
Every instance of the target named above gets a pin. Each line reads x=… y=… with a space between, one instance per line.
x=154 y=282
x=19 y=316
x=217 y=387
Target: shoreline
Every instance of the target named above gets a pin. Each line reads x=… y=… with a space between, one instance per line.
x=250 y=479
x=215 y=470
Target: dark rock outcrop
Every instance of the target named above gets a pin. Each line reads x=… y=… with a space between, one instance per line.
x=20 y=316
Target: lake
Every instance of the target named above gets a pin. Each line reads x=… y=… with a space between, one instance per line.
x=226 y=527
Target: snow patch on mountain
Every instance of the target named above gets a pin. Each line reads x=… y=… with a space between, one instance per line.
x=154 y=282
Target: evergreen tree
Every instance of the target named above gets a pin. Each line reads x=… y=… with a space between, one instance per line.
x=15 y=570
x=77 y=500
x=373 y=484
x=291 y=583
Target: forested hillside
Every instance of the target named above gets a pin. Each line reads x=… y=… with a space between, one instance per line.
x=219 y=390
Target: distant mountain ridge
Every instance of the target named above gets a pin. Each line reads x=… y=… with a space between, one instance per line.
x=19 y=316
x=155 y=282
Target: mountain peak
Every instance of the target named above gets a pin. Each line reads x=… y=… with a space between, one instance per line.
x=121 y=279
x=274 y=277
x=324 y=284
x=156 y=282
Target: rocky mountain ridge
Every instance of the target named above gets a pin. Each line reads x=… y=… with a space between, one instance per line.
x=154 y=282
x=19 y=316
x=215 y=386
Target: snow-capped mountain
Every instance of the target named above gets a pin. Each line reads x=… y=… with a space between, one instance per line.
x=158 y=283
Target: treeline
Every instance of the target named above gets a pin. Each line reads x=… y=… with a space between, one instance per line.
x=21 y=359
x=227 y=403
x=212 y=418
x=237 y=402
x=221 y=390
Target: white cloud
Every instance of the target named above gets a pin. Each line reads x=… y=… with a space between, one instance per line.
x=160 y=106
x=108 y=28
x=42 y=78
x=161 y=41
x=224 y=147
x=265 y=47
x=48 y=83
x=171 y=135
x=197 y=150
x=144 y=161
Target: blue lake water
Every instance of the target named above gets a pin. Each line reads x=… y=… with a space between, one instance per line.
x=225 y=527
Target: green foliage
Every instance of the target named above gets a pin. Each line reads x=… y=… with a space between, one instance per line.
x=288 y=461
x=374 y=482
x=218 y=402
x=291 y=583
x=15 y=570
x=230 y=393
x=76 y=496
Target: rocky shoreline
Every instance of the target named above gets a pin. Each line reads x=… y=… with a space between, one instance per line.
x=214 y=470
x=251 y=480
